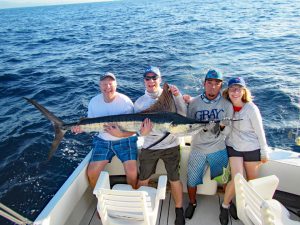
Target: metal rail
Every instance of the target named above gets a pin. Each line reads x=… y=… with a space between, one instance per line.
x=11 y=215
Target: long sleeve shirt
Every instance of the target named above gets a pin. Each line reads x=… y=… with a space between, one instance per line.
x=248 y=134
x=199 y=109
x=145 y=102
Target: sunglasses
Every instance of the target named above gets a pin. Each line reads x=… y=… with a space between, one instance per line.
x=151 y=77
x=235 y=89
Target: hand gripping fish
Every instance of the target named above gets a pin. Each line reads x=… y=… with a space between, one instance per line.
x=162 y=114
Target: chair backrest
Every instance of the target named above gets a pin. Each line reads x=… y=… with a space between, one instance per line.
x=251 y=206
x=121 y=206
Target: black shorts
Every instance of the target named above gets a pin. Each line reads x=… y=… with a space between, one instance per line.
x=149 y=158
x=251 y=156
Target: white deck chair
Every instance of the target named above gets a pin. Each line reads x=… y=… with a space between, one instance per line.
x=255 y=204
x=123 y=205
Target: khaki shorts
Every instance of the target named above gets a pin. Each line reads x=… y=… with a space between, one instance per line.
x=149 y=158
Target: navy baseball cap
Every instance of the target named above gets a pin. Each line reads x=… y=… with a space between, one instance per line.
x=152 y=69
x=108 y=74
x=213 y=74
x=238 y=80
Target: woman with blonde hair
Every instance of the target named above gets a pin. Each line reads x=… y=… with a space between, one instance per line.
x=246 y=145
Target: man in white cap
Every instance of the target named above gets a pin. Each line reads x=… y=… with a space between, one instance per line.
x=112 y=141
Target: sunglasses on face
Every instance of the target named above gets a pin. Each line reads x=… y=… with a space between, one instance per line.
x=151 y=77
x=235 y=89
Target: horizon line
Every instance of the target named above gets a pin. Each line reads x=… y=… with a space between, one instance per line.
x=11 y=5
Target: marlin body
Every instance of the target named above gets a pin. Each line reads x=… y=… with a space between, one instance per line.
x=163 y=115
x=163 y=122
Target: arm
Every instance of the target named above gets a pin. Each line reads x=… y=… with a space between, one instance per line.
x=187 y=98
x=226 y=125
x=256 y=121
x=179 y=100
x=114 y=130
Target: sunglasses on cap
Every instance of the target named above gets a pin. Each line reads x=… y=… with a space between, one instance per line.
x=155 y=77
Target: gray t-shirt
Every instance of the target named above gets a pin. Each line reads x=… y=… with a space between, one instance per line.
x=204 y=110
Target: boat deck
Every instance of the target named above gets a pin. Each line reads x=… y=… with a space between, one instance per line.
x=207 y=212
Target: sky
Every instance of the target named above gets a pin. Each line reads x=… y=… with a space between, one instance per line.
x=30 y=3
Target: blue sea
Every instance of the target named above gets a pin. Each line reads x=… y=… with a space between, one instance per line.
x=55 y=55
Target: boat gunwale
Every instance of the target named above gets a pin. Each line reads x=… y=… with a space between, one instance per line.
x=46 y=212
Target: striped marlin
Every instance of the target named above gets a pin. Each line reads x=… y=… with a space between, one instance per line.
x=163 y=115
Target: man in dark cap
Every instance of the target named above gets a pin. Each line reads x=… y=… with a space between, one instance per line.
x=112 y=141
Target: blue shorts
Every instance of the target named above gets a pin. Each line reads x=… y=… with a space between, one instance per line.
x=197 y=165
x=125 y=149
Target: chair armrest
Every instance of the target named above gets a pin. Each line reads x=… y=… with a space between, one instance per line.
x=265 y=186
x=161 y=187
x=281 y=214
x=102 y=183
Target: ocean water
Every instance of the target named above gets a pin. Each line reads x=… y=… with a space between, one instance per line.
x=55 y=55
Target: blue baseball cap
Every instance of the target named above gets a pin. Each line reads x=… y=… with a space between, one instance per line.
x=152 y=69
x=213 y=74
x=238 y=80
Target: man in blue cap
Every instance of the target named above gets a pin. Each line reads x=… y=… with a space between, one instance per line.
x=168 y=149
x=208 y=145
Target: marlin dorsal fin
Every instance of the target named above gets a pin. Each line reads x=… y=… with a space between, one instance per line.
x=165 y=102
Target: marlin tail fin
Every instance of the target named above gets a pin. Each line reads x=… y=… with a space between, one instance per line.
x=57 y=124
